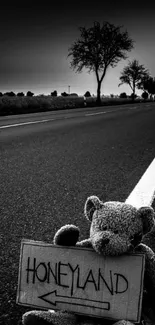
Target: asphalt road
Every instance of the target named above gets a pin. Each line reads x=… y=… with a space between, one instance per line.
x=49 y=168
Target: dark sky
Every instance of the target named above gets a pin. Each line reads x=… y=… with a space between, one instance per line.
x=34 y=41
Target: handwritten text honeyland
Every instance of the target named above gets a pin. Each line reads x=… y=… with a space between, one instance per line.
x=72 y=277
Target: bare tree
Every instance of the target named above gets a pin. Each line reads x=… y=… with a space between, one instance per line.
x=98 y=48
x=133 y=74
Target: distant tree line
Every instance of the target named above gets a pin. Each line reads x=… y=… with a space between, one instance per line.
x=53 y=94
x=30 y=94
x=134 y=74
x=20 y=94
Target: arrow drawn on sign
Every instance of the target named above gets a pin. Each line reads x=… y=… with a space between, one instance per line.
x=53 y=298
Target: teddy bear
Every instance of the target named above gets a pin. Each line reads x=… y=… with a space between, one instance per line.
x=116 y=228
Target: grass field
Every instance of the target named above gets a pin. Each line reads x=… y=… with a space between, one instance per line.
x=22 y=105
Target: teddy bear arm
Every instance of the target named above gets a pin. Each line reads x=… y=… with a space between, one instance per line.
x=84 y=243
x=123 y=322
x=149 y=268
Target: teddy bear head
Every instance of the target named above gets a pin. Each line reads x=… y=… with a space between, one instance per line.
x=116 y=227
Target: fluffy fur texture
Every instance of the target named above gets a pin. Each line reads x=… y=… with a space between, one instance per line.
x=116 y=228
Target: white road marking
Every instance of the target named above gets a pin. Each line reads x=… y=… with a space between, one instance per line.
x=64 y=117
x=144 y=192
x=98 y=113
x=47 y=120
x=25 y=123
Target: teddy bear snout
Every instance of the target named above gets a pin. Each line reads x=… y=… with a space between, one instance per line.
x=100 y=243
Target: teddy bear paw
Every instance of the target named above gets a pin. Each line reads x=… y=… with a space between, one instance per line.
x=123 y=322
x=49 y=317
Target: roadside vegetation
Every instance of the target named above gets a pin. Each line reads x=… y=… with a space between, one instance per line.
x=13 y=105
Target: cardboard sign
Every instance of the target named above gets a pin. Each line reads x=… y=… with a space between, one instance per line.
x=81 y=281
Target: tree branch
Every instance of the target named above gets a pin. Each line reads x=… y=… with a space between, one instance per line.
x=104 y=72
x=97 y=75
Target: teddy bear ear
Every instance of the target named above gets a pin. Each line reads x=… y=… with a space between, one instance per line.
x=147 y=215
x=92 y=203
